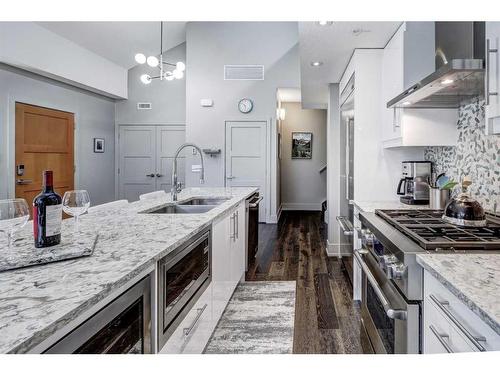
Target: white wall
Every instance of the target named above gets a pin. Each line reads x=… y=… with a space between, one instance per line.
x=94 y=118
x=31 y=47
x=211 y=45
x=302 y=186
x=168 y=98
x=334 y=149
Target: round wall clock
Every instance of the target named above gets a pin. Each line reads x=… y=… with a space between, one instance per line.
x=245 y=105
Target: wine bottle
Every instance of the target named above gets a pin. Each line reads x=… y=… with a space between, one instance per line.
x=47 y=214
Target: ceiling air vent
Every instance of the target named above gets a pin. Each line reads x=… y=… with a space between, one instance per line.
x=244 y=72
x=142 y=106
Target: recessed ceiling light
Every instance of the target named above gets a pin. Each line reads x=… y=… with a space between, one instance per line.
x=316 y=63
x=325 y=23
x=406 y=103
x=447 y=81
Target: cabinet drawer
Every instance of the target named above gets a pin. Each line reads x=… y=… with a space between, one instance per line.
x=440 y=334
x=195 y=330
x=459 y=317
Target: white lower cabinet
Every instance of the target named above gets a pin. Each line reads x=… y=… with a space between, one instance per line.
x=228 y=267
x=449 y=326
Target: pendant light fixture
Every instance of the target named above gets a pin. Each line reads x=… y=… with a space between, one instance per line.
x=155 y=62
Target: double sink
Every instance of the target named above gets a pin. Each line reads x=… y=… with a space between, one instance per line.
x=191 y=206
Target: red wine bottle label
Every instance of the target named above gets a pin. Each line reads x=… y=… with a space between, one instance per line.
x=53 y=218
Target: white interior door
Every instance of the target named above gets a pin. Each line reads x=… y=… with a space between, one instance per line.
x=146 y=154
x=168 y=140
x=246 y=157
x=137 y=147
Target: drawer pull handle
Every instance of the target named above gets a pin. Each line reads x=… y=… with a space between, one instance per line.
x=187 y=331
x=472 y=338
x=441 y=338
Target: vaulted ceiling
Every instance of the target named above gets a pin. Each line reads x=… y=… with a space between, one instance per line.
x=120 y=41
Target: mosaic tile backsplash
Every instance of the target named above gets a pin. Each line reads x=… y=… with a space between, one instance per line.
x=476 y=155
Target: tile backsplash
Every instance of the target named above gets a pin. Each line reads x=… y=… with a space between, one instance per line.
x=476 y=155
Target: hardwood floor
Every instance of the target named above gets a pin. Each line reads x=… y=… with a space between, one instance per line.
x=326 y=318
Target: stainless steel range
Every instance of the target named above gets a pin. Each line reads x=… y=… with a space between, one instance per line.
x=392 y=278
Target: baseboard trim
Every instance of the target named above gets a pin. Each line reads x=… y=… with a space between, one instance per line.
x=301 y=206
x=338 y=249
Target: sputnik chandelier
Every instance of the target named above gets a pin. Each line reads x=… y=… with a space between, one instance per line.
x=154 y=62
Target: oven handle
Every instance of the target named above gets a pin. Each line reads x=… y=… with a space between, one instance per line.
x=390 y=312
x=187 y=331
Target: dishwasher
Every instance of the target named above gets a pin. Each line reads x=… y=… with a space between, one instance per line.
x=252 y=232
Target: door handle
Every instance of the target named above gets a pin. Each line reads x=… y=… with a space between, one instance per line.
x=159 y=175
x=230 y=178
x=150 y=175
x=21 y=181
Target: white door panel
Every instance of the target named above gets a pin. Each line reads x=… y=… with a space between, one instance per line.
x=137 y=160
x=246 y=155
x=169 y=139
x=146 y=150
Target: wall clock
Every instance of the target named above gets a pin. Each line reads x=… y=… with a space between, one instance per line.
x=245 y=105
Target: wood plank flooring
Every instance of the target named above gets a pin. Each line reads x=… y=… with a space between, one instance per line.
x=326 y=318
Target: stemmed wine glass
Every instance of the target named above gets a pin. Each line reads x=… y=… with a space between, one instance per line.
x=76 y=203
x=14 y=214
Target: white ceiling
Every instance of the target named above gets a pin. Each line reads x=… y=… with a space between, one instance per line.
x=120 y=41
x=333 y=45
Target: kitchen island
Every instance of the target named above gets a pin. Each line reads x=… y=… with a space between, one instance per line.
x=38 y=302
x=473 y=278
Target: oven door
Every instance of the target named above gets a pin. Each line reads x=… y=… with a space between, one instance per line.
x=181 y=277
x=390 y=321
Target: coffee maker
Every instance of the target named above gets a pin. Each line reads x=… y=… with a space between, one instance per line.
x=414 y=184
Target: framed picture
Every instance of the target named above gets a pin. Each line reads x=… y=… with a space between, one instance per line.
x=99 y=145
x=301 y=145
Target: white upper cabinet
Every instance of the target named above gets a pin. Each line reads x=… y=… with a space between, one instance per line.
x=493 y=78
x=407 y=58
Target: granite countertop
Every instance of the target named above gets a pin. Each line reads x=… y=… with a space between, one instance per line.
x=473 y=278
x=35 y=302
x=371 y=206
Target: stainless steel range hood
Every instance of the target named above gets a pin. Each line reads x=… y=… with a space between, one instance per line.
x=459 y=74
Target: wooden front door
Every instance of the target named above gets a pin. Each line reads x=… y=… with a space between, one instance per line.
x=44 y=141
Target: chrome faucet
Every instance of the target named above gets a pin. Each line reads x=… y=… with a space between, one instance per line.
x=177 y=186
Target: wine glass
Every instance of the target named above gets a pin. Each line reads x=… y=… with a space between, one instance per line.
x=76 y=203
x=14 y=214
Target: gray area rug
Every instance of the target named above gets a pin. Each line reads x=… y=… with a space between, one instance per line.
x=258 y=319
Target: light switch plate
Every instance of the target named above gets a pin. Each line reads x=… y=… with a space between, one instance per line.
x=206 y=102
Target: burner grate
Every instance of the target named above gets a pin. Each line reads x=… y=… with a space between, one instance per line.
x=428 y=229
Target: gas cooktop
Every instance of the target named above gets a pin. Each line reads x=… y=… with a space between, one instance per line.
x=428 y=229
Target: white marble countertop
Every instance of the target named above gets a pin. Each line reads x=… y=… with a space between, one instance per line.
x=36 y=302
x=473 y=278
x=371 y=206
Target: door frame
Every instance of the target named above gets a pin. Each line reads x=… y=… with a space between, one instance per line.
x=117 y=144
x=11 y=135
x=267 y=163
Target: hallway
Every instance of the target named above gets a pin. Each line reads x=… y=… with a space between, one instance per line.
x=326 y=319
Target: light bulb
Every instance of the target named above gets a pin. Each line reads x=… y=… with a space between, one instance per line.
x=180 y=66
x=140 y=58
x=177 y=74
x=153 y=61
x=169 y=76
x=146 y=79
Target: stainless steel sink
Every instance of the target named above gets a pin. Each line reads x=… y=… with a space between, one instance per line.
x=203 y=202
x=183 y=209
